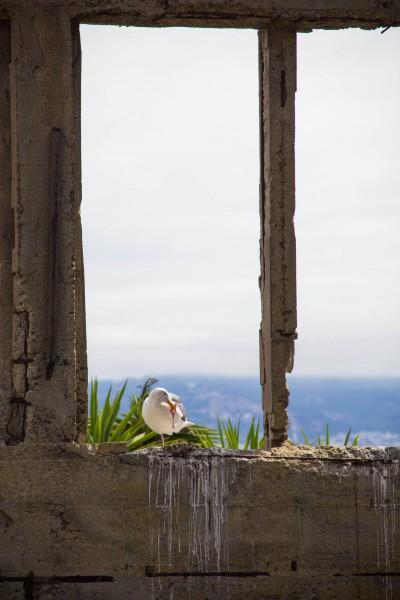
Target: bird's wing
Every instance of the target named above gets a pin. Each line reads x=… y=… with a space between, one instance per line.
x=181 y=406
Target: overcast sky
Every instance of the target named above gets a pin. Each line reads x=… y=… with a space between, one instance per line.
x=170 y=201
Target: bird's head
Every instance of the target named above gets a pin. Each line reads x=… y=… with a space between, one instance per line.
x=161 y=395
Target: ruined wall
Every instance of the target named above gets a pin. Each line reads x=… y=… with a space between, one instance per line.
x=304 y=525
x=97 y=523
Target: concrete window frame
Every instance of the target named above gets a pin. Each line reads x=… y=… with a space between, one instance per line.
x=43 y=367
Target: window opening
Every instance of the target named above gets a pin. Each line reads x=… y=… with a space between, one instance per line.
x=170 y=212
x=347 y=367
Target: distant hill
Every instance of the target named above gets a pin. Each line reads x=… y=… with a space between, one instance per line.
x=370 y=406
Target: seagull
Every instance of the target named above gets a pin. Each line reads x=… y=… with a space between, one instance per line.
x=164 y=412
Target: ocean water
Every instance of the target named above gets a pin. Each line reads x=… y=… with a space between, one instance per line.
x=370 y=406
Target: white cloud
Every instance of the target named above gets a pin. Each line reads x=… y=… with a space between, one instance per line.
x=170 y=201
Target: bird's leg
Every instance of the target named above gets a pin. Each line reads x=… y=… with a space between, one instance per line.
x=163 y=443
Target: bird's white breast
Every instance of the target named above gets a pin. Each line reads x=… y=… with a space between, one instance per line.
x=157 y=416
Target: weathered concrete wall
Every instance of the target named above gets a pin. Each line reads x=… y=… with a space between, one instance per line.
x=199 y=524
x=99 y=523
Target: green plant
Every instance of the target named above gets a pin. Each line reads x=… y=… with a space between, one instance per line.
x=229 y=435
x=107 y=425
x=325 y=441
x=102 y=423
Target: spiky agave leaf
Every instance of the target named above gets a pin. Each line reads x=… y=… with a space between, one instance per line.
x=327 y=435
x=326 y=440
x=347 y=437
x=305 y=438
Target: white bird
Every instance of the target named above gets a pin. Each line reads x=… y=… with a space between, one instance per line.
x=164 y=413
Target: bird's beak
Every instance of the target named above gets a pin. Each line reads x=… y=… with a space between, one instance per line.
x=172 y=406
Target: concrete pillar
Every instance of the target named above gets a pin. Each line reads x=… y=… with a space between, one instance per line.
x=6 y=235
x=277 y=61
x=44 y=304
x=80 y=312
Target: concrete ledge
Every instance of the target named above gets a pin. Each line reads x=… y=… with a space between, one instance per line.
x=287 y=523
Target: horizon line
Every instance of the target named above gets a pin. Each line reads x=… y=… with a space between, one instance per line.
x=230 y=376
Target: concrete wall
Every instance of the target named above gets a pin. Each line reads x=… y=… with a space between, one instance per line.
x=292 y=524
x=80 y=522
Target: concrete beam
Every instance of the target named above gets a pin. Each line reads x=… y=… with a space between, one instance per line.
x=304 y=14
x=277 y=60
